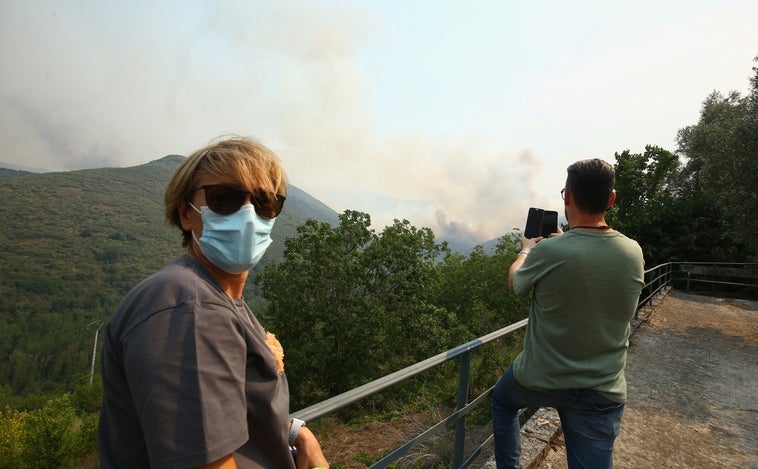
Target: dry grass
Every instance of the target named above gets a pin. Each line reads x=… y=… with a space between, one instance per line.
x=357 y=446
x=352 y=446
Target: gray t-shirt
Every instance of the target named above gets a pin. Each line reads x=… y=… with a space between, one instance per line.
x=585 y=288
x=188 y=378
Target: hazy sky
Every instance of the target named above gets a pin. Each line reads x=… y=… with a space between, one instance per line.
x=455 y=115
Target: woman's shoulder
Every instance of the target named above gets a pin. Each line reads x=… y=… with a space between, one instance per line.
x=178 y=281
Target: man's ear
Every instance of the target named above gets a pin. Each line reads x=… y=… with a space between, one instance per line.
x=611 y=199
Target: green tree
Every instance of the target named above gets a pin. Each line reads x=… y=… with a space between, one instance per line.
x=475 y=289
x=350 y=306
x=722 y=153
x=702 y=209
x=12 y=438
x=399 y=266
x=52 y=435
x=643 y=181
x=315 y=307
x=660 y=206
x=47 y=434
x=646 y=187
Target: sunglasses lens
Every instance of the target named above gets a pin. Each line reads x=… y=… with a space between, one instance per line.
x=224 y=200
x=267 y=206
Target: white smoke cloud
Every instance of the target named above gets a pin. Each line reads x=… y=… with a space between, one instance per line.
x=90 y=84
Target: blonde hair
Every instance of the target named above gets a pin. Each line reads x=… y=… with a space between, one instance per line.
x=244 y=161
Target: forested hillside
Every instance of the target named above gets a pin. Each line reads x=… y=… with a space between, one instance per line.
x=73 y=244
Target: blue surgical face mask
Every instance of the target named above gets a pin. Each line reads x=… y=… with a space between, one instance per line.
x=235 y=242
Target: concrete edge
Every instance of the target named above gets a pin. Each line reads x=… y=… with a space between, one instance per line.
x=537 y=435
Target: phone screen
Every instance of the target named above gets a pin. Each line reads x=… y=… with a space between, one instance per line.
x=540 y=222
x=534 y=223
x=549 y=223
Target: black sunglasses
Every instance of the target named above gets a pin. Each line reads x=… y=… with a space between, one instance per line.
x=225 y=200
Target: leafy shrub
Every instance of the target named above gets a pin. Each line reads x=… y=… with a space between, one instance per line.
x=12 y=438
x=52 y=436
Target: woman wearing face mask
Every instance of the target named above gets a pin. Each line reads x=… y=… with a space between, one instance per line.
x=190 y=377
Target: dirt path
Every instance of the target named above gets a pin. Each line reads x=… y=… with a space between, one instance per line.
x=692 y=373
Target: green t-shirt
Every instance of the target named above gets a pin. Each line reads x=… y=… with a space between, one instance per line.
x=585 y=289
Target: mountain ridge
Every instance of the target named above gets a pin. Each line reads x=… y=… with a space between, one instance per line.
x=75 y=242
x=298 y=200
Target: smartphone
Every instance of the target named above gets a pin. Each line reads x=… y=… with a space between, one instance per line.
x=549 y=223
x=540 y=222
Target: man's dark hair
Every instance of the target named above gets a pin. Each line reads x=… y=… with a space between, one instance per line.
x=591 y=184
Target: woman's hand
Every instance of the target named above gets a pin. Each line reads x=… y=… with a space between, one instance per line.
x=309 y=454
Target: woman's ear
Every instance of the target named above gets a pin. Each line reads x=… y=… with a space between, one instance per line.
x=184 y=215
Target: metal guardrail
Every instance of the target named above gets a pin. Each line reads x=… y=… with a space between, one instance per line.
x=743 y=274
x=663 y=276
x=463 y=407
x=658 y=280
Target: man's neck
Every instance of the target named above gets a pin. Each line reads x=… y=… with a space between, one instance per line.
x=591 y=222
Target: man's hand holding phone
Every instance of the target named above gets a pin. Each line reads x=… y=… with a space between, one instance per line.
x=528 y=243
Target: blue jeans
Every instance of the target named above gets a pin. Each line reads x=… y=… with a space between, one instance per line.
x=590 y=422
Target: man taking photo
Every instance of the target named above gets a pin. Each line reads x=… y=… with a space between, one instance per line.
x=585 y=285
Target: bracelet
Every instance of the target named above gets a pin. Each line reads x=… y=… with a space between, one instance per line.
x=525 y=252
x=295 y=430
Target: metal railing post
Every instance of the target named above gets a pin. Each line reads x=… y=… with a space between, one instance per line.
x=659 y=284
x=461 y=400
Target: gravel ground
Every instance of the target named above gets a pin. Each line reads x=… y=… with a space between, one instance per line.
x=692 y=372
